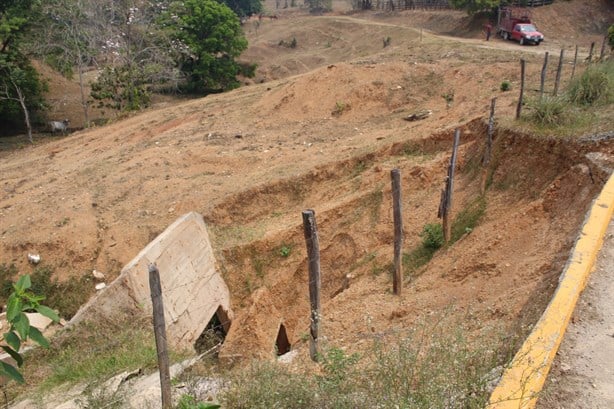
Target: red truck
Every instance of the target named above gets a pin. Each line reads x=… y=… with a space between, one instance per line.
x=514 y=23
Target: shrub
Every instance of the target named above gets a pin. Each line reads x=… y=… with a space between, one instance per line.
x=506 y=86
x=595 y=85
x=432 y=236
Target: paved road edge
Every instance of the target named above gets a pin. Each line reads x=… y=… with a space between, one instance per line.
x=523 y=380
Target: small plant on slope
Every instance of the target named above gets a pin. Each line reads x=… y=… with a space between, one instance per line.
x=20 y=302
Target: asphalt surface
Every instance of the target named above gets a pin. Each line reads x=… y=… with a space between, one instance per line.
x=582 y=376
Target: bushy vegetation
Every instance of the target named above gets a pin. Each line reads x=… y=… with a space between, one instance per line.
x=593 y=88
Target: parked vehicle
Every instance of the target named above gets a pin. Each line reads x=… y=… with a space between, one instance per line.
x=514 y=23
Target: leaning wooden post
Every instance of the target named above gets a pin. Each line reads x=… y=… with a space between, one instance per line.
x=558 y=74
x=489 y=136
x=447 y=197
x=575 y=60
x=160 y=335
x=313 y=257
x=543 y=76
x=603 y=43
x=590 y=53
x=397 y=282
x=519 y=107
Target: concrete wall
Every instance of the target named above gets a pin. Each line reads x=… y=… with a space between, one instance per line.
x=192 y=289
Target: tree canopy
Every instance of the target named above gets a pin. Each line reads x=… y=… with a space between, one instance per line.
x=243 y=7
x=474 y=6
x=212 y=34
x=20 y=87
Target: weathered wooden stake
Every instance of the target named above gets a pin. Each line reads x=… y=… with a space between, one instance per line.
x=160 y=335
x=575 y=60
x=557 y=81
x=313 y=257
x=543 y=77
x=489 y=136
x=447 y=200
x=590 y=53
x=397 y=282
x=603 y=43
x=519 y=107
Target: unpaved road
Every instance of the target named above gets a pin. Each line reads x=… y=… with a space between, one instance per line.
x=583 y=373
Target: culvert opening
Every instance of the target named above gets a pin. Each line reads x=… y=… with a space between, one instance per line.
x=214 y=333
x=282 y=345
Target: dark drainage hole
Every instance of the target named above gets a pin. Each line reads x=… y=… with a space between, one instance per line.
x=282 y=345
x=213 y=334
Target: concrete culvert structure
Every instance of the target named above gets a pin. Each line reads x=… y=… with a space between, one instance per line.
x=193 y=291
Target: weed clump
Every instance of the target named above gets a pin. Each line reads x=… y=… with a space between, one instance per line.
x=549 y=111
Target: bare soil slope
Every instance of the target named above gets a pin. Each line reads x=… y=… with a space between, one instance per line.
x=250 y=160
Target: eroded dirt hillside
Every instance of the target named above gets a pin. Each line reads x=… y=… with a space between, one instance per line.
x=252 y=159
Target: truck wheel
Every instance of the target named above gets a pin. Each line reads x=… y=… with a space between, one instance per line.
x=521 y=40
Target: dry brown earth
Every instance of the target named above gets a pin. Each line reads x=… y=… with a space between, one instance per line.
x=320 y=128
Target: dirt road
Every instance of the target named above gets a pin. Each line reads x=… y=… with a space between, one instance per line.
x=583 y=371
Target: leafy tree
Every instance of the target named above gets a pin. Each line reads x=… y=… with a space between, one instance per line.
x=139 y=53
x=212 y=35
x=20 y=87
x=319 y=6
x=243 y=7
x=118 y=88
x=20 y=302
x=475 y=6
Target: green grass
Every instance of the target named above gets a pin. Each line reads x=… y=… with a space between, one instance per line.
x=466 y=220
x=91 y=352
x=432 y=240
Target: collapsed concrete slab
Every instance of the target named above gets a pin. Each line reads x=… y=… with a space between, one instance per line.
x=192 y=289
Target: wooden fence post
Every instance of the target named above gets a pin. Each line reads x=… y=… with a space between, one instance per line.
x=160 y=335
x=446 y=201
x=557 y=81
x=397 y=282
x=575 y=60
x=543 y=76
x=603 y=43
x=519 y=107
x=590 y=53
x=489 y=136
x=313 y=258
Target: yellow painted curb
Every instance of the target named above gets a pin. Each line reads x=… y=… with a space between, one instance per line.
x=524 y=379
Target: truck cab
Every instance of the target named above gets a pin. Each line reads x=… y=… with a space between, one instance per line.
x=514 y=23
x=526 y=34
